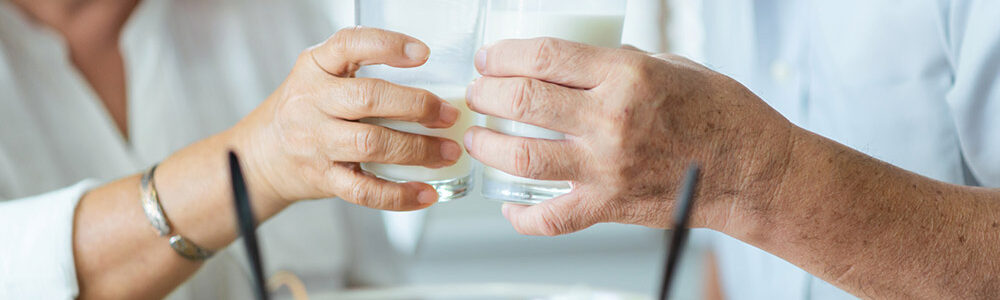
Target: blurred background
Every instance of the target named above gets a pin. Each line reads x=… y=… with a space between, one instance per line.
x=468 y=241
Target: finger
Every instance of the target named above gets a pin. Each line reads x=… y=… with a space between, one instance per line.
x=358 y=187
x=525 y=157
x=557 y=216
x=350 y=48
x=531 y=101
x=559 y=61
x=359 y=142
x=358 y=98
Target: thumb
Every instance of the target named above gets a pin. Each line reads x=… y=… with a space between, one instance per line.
x=350 y=48
x=552 y=217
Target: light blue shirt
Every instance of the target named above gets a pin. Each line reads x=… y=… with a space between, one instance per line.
x=915 y=83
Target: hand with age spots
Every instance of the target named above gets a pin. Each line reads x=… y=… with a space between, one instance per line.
x=632 y=123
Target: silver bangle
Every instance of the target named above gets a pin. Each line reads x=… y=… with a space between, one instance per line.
x=154 y=212
x=151 y=203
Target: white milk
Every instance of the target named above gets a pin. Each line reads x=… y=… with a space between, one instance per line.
x=462 y=168
x=594 y=29
x=602 y=30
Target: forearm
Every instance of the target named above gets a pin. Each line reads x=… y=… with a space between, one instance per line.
x=117 y=252
x=876 y=230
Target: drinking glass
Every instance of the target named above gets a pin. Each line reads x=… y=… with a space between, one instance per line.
x=594 y=22
x=451 y=28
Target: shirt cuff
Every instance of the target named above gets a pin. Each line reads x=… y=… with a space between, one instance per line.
x=36 y=253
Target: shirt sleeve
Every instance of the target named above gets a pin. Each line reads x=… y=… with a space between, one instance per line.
x=36 y=245
x=974 y=99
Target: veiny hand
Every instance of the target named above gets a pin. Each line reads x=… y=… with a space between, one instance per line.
x=304 y=142
x=633 y=123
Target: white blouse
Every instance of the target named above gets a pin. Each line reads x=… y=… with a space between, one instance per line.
x=193 y=67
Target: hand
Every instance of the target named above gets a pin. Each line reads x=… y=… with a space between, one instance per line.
x=304 y=142
x=633 y=122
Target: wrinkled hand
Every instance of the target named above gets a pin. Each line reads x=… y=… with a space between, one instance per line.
x=304 y=142
x=633 y=123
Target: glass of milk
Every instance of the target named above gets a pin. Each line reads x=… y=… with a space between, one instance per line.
x=594 y=22
x=452 y=29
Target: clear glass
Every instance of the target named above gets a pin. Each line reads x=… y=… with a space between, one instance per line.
x=594 y=22
x=452 y=29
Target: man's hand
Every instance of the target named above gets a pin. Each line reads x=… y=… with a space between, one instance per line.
x=633 y=122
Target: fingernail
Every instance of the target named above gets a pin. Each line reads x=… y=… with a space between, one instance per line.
x=427 y=196
x=450 y=151
x=416 y=51
x=481 y=60
x=448 y=113
x=467 y=139
x=469 y=92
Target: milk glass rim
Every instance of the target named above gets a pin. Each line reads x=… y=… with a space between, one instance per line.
x=611 y=7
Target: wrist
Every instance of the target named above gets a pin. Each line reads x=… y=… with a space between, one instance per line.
x=761 y=183
x=249 y=143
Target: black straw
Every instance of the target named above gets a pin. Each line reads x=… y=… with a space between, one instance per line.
x=247 y=225
x=682 y=215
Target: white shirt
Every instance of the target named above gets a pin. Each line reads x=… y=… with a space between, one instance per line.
x=913 y=83
x=193 y=68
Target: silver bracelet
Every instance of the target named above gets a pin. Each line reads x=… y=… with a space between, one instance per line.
x=154 y=212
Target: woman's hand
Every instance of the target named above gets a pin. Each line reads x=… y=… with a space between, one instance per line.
x=633 y=122
x=304 y=142
x=301 y=143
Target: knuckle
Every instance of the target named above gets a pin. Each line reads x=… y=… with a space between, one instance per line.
x=523 y=159
x=365 y=191
x=387 y=197
x=378 y=197
x=416 y=150
x=367 y=142
x=358 y=191
x=549 y=223
x=374 y=197
x=338 y=46
x=620 y=118
x=412 y=149
x=631 y=70
x=431 y=149
x=671 y=57
x=344 y=36
x=358 y=38
x=545 y=51
x=635 y=70
x=364 y=98
x=520 y=102
x=603 y=210
x=426 y=106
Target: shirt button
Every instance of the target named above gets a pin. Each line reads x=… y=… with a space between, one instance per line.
x=780 y=71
